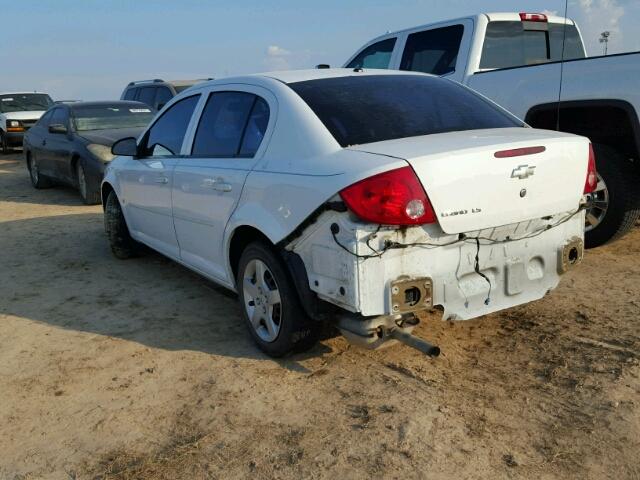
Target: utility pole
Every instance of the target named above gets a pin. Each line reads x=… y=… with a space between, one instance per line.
x=604 y=38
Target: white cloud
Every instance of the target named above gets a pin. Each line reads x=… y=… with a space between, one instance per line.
x=276 y=58
x=596 y=16
x=276 y=51
x=550 y=13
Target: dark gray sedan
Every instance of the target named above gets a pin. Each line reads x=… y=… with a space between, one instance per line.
x=71 y=143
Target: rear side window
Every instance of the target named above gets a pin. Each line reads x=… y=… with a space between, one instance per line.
x=130 y=94
x=377 y=55
x=255 y=129
x=163 y=95
x=513 y=44
x=372 y=108
x=147 y=95
x=433 y=51
x=165 y=137
x=226 y=119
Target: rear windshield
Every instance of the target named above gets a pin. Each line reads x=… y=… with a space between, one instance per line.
x=25 y=102
x=513 y=44
x=106 y=117
x=372 y=108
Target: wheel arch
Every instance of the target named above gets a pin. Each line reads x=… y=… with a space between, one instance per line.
x=105 y=189
x=609 y=122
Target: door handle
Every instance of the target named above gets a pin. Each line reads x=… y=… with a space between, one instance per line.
x=162 y=180
x=217 y=184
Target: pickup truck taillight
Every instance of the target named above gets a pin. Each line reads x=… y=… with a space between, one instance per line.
x=395 y=197
x=533 y=17
x=592 y=177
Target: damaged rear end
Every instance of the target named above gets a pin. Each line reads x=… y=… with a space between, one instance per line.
x=475 y=222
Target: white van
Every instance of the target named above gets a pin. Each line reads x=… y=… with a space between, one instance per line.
x=19 y=111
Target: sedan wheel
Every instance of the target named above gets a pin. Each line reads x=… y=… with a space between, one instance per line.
x=599 y=203
x=262 y=300
x=82 y=182
x=37 y=179
x=270 y=303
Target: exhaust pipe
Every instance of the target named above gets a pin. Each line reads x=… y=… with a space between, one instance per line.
x=415 y=342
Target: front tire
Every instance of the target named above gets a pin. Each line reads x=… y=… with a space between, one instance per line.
x=38 y=180
x=4 y=148
x=122 y=244
x=615 y=203
x=270 y=305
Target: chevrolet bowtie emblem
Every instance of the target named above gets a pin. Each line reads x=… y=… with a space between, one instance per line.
x=523 y=171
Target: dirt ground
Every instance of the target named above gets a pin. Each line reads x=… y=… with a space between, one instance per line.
x=140 y=369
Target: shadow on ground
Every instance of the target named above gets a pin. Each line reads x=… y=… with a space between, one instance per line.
x=59 y=270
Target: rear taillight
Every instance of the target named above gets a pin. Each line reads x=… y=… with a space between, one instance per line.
x=533 y=17
x=592 y=177
x=395 y=197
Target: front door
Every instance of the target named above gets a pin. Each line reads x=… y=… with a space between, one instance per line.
x=208 y=182
x=147 y=180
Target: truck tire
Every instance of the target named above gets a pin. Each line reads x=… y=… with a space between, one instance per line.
x=616 y=201
x=270 y=304
x=122 y=244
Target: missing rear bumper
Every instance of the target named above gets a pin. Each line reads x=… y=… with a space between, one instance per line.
x=411 y=294
x=570 y=254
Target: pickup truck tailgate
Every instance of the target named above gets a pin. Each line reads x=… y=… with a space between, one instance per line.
x=474 y=182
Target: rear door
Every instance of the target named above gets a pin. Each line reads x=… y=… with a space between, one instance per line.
x=207 y=183
x=147 y=180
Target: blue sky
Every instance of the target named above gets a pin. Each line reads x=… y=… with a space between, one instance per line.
x=90 y=49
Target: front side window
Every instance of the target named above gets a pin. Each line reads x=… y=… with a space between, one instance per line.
x=373 y=108
x=59 y=117
x=433 y=51
x=512 y=44
x=377 y=55
x=25 y=102
x=166 y=135
x=45 y=119
x=232 y=124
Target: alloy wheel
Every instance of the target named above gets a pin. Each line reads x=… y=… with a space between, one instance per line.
x=598 y=205
x=262 y=300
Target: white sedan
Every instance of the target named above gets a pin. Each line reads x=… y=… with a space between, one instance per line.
x=356 y=197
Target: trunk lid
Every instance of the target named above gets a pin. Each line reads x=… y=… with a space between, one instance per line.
x=471 y=189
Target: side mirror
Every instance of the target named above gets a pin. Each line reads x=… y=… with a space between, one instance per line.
x=125 y=147
x=57 y=128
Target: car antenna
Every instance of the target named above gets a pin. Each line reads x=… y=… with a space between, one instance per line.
x=564 y=35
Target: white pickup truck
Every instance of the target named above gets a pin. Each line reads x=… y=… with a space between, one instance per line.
x=19 y=111
x=535 y=66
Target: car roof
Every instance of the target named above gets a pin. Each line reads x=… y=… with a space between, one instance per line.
x=293 y=76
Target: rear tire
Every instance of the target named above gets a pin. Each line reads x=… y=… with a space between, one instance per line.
x=38 y=180
x=270 y=305
x=122 y=244
x=619 y=198
x=90 y=195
